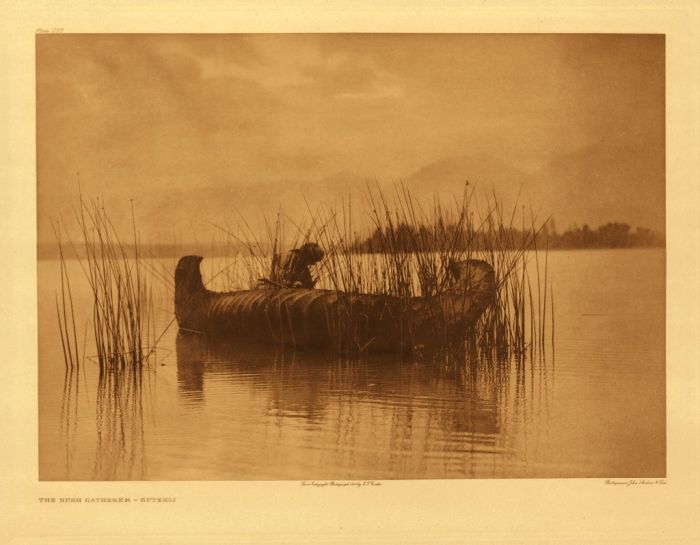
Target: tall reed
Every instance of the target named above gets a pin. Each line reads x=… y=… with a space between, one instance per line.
x=411 y=252
x=122 y=318
x=65 y=311
x=121 y=309
x=73 y=356
x=123 y=335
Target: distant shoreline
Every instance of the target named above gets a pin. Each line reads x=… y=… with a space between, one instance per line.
x=49 y=252
x=611 y=235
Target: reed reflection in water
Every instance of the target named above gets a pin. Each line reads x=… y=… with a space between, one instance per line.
x=303 y=415
x=69 y=418
x=102 y=420
x=219 y=411
x=117 y=406
x=120 y=446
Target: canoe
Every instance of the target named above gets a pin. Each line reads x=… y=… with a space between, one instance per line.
x=303 y=317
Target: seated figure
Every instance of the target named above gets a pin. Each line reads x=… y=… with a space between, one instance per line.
x=296 y=272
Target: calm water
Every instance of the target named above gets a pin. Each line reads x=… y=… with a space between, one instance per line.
x=595 y=406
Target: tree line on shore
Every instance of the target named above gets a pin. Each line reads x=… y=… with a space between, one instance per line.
x=608 y=235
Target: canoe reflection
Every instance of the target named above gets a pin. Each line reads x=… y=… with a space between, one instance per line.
x=318 y=387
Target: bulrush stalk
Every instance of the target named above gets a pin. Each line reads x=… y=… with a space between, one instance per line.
x=122 y=305
x=411 y=252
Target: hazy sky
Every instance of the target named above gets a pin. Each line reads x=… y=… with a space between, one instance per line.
x=190 y=126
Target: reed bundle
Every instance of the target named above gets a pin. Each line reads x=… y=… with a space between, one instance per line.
x=410 y=252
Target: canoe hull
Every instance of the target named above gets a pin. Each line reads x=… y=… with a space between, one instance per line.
x=332 y=319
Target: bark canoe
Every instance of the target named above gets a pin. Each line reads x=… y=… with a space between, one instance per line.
x=302 y=317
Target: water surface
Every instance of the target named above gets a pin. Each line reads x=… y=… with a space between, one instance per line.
x=593 y=407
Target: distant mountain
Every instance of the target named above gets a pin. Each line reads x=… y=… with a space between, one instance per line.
x=598 y=184
x=486 y=176
x=449 y=175
x=194 y=212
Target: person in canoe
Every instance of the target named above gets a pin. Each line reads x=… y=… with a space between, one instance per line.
x=295 y=272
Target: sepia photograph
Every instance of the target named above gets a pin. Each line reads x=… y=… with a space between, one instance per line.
x=350 y=272
x=351 y=256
